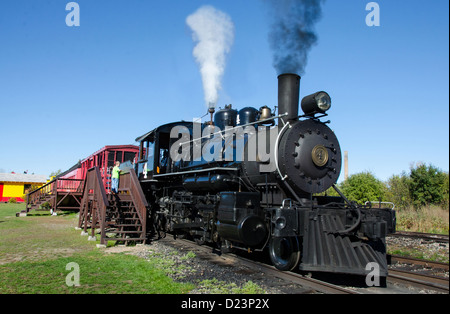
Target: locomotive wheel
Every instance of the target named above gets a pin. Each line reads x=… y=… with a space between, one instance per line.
x=160 y=226
x=199 y=240
x=284 y=253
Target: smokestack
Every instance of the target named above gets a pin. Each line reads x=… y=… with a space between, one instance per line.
x=288 y=97
x=345 y=165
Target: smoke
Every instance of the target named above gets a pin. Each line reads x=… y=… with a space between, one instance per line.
x=292 y=34
x=213 y=33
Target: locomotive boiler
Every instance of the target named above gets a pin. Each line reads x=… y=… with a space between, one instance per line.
x=257 y=181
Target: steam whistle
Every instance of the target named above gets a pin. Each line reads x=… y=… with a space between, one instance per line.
x=211 y=111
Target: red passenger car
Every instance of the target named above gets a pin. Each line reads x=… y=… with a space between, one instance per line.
x=104 y=159
x=66 y=190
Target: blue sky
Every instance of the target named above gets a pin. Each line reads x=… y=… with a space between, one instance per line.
x=66 y=92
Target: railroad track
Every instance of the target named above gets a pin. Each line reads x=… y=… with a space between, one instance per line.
x=311 y=285
x=317 y=285
x=441 y=238
x=419 y=280
x=420 y=262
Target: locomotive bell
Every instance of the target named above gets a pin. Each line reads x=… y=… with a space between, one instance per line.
x=265 y=113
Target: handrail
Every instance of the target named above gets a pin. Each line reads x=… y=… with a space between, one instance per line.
x=52 y=188
x=138 y=196
x=42 y=187
x=94 y=183
x=74 y=184
x=378 y=202
x=99 y=185
x=129 y=181
x=94 y=190
x=69 y=185
x=33 y=197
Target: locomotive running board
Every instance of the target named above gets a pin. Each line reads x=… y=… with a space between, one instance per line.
x=324 y=250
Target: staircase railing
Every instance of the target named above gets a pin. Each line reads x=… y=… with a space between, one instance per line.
x=95 y=192
x=52 y=188
x=95 y=206
x=129 y=181
x=34 y=197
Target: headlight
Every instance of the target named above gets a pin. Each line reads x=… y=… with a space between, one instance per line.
x=316 y=103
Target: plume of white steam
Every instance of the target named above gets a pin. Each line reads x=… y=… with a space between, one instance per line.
x=213 y=33
x=292 y=35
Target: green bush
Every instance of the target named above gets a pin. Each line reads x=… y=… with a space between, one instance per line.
x=427 y=186
x=12 y=200
x=445 y=192
x=398 y=190
x=363 y=187
x=424 y=185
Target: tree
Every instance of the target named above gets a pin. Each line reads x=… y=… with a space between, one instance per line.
x=445 y=192
x=363 y=187
x=427 y=185
x=398 y=190
x=55 y=173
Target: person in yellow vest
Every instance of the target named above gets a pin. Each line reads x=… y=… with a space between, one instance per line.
x=115 y=178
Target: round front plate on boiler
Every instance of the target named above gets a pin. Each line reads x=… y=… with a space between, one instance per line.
x=310 y=156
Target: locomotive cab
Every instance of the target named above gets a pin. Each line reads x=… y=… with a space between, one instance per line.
x=145 y=165
x=154 y=151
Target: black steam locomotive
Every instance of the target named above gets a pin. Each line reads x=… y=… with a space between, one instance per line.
x=244 y=181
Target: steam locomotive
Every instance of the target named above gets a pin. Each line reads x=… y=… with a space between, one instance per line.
x=257 y=181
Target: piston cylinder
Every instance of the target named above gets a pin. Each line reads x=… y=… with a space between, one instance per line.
x=240 y=218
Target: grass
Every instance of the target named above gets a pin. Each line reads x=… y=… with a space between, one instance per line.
x=215 y=286
x=175 y=267
x=34 y=237
x=430 y=219
x=35 y=250
x=99 y=274
x=419 y=254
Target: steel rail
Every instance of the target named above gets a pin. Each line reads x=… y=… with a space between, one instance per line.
x=418 y=235
x=293 y=278
x=317 y=285
x=419 y=280
x=420 y=262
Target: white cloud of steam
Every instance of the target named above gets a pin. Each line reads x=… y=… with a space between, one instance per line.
x=213 y=33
